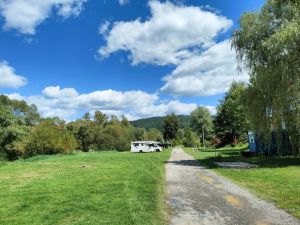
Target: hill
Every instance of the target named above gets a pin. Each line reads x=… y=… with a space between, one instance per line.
x=157 y=122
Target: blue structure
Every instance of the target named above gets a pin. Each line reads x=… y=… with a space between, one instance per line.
x=252 y=142
x=256 y=144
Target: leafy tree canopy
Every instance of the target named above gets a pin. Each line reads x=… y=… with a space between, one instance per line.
x=170 y=126
x=231 y=124
x=268 y=46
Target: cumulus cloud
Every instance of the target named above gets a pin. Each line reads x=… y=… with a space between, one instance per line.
x=205 y=74
x=171 y=34
x=182 y=36
x=26 y=15
x=67 y=103
x=9 y=78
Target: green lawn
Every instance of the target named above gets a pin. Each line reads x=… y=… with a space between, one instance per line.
x=276 y=180
x=113 y=188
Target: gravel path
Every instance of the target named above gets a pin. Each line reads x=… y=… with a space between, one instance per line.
x=199 y=196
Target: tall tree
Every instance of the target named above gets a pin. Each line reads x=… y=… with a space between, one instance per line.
x=201 y=122
x=87 y=116
x=16 y=120
x=231 y=124
x=170 y=127
x=100 y=118
x=154 y=135
x=190 y=138
x=267 y=45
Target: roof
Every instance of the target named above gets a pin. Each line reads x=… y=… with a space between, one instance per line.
x=144 y=142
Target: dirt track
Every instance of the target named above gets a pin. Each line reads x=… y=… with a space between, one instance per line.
x=199 y=196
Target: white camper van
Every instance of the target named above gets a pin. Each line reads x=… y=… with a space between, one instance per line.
x=145 y=146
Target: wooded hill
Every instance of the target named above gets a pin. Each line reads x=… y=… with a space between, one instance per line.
x=157 y=122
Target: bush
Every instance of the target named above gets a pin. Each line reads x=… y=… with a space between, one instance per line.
x=48 y=138
x=10 y=140
x=190 y=138
x=113 y=137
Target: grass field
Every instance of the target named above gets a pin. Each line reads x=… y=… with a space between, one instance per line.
x=84 y=188
x=277 y=179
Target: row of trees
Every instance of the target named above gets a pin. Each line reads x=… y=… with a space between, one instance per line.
x=229 y=126
x=24 y=133
x=267 y=45
x=104 y=134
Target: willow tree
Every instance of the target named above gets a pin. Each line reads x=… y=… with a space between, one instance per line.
x=268 y=46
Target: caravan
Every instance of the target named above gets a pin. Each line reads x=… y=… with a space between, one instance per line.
x=145 y=146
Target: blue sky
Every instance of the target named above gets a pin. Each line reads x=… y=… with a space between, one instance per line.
x=136 y=57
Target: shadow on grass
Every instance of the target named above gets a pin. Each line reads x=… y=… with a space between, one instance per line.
x=226 y=149
x=262 y=162
x=235 y=156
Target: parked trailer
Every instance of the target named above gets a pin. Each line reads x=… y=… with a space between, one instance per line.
x=145 y=146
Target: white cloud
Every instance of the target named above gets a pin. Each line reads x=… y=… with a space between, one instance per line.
x=183 y=36
x=205 y=74
x=104 y=27
x=171 y=34
x=67 y=103
x=8 y=77
x=212 y=109
x=26 y=15
x=123 y=2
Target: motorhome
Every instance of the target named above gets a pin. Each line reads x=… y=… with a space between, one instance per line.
x=145 y=146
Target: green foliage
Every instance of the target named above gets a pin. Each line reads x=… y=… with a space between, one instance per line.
x=48 y=138
x=114 y=136
x=138 y=134
x=86 y=116
x=83 y=130
x=100 y=118
x=231 y=124
x=157 y=122
x=267 y=44
x=16 y=120
x=11 y=137
x=190 y=138
x=154 y=135
x=102 y=134
x=170 y=127
x=201 y=122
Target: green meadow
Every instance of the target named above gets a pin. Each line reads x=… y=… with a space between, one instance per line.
x=84 y=188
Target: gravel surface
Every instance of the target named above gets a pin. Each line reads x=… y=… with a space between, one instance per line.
x=199 y=196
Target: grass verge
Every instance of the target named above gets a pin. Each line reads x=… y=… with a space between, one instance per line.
x=84 y=188
x=277 y=179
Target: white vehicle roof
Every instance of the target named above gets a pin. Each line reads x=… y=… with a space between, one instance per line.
x=144 y=142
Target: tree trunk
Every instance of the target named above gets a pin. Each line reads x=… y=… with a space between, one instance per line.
x=203 y=138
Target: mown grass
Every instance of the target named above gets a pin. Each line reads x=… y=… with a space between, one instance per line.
x=277 y=179
x=84 y=188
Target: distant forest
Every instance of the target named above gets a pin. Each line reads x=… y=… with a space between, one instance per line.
x=157 y=122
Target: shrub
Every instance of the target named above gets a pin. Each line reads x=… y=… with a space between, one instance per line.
x=11 y=139
x=190 y=138
x=48 y=138
x=113 y=137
